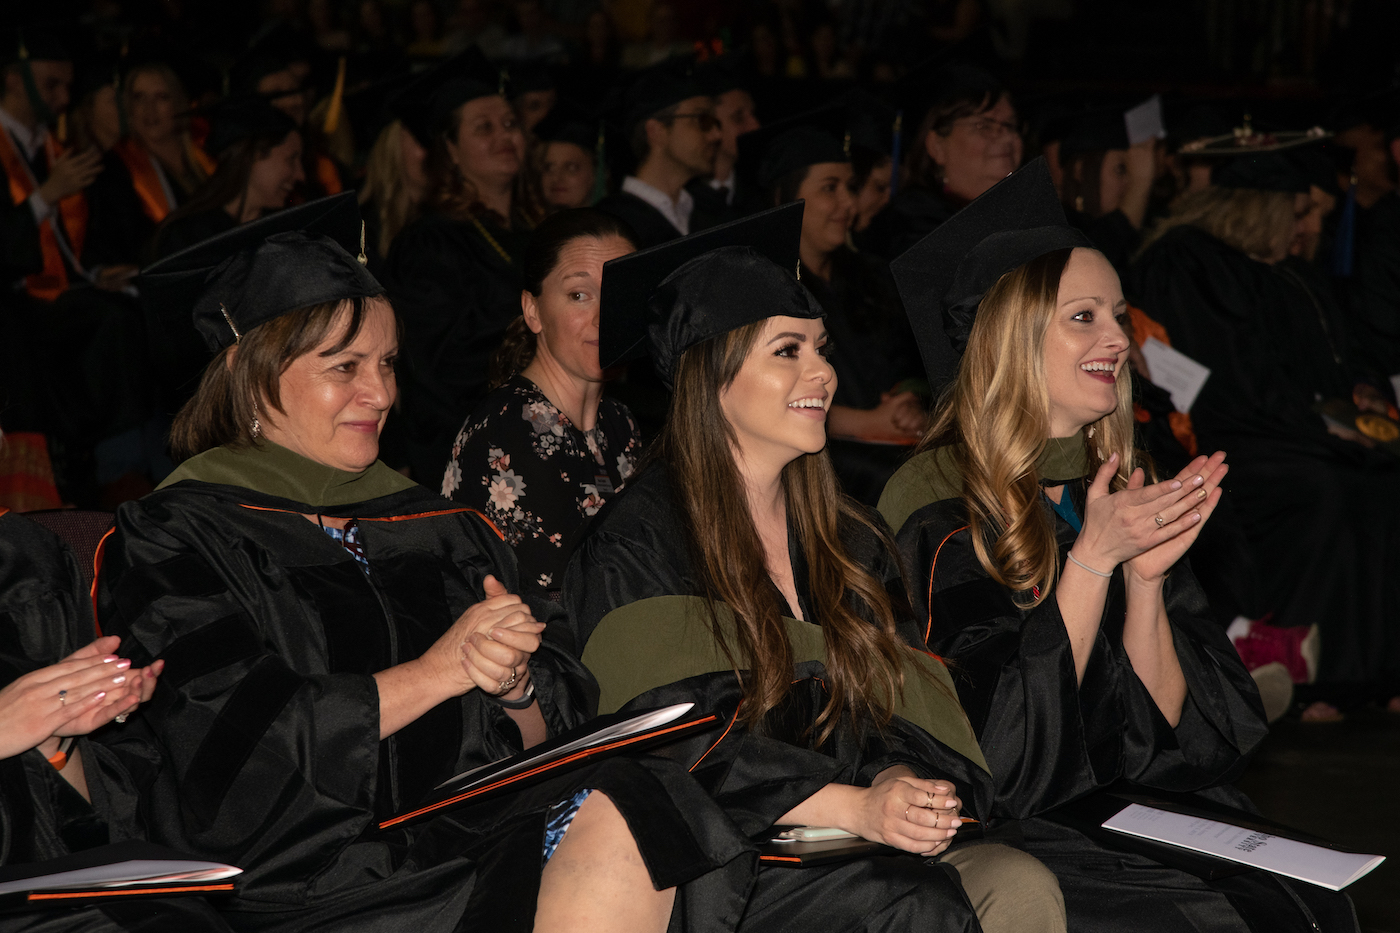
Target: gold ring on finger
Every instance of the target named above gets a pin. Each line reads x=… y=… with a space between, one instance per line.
x=1161 y=522
x=63 y=697
x=906 y=813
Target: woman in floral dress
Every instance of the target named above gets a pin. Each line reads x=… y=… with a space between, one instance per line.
x=546 y=449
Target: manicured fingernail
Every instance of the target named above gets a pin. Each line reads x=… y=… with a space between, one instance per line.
x=1200 y=493
x=100 y=695
x=1197 y=480
x=956 y=822
x=109 y=659
x=1195 y=517
x=1174 y=485
x=123 y=664
x=119 y=680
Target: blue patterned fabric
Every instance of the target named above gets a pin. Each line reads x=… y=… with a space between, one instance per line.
x=349 y=538
x=558 y=819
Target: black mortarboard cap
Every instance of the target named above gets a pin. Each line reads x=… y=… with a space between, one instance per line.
x=568 y=123
x=426 y=103
x=369 y=107
x=1202 y=121
x=942 y=278
x=657 y=88
x=943 y=78
x=245 y=117
x=1263 y=171
x=720 y=75
x=1097 y=131
x=295 y=258
x=531 y=75
x=768 y=154
x=667 y=299
x=1320 y=164
x=869 y=121
x=274 y=49
x=34 y=40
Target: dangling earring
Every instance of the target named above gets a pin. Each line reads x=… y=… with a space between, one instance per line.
x=255 y=428
x=1079 y=203
x=1091 y=430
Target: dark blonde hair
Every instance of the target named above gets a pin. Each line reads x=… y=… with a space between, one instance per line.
x=995 y=417
x=864 y=678
x=243 y=381
x=1257 y=223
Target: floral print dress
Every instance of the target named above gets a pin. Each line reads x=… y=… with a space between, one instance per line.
x=522 y=463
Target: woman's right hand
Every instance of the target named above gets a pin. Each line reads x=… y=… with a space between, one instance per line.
x=909 y=813
x=33 y=712
x=1119 y=526
x=490 y=638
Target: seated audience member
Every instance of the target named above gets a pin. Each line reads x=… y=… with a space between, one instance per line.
x=534 y=92
x=455 y=270
x=874 y=412
x=60 y=792
x=1373 y=291
x=967 y=141
x=733 y=574
x=396 y=182
x=1052 y=574
x=674 y=135
x=346 y=643
x=566 y=159
x=720 y=197
x=94 y=119
x=149 y=173
x=1107 y=183
x=545 y=450
x=871 y=124
x=1216 y=274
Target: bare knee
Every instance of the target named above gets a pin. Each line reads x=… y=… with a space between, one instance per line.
x=1010 y=890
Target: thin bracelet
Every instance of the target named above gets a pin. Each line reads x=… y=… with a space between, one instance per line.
x=1097 y=573
x=522 y=703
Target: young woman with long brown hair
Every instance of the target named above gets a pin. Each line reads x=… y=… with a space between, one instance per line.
x=1050 y=571
x=733 y=574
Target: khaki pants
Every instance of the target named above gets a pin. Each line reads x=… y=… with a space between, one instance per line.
x=1011 y=891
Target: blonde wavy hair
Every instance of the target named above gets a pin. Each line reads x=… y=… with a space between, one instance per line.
x=386 y=187
x=1257 y=223
x=995 y=418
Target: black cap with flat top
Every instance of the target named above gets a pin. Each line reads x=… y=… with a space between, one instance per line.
x=425 y=104
x=942 y=278
x=233 y=282
x=768 y=154
x=245 y=117
x=664 y=300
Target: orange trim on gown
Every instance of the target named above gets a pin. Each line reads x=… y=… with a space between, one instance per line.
x=73 y=210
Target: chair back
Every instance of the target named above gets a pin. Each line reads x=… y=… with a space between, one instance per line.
x=81 y=530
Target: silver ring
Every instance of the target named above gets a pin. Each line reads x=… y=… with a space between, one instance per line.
x=121 y=717
x=507 y=684
x=1161 y=522
x=63 y=697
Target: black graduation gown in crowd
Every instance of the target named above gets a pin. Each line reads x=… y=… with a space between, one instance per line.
x=455 y=292
x=1374 y=287
x=1318 y=510
x=119 y=232
x=261 y=745
x=650 y=225
x=1113 y=234
x=873 y=351
x=1050 y=742
x=635 y=604
x=45 y=615
x=913 y=213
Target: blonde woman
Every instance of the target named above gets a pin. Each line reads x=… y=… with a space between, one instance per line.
x=1049 y=569
x=395 y=184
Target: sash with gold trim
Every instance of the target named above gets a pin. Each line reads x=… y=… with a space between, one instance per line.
x=72 y=211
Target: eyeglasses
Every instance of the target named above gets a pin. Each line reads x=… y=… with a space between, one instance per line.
x=989 y=128
x=704 y=121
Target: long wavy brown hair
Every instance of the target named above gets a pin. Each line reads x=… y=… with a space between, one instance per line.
x=864 y=677
x=995 y=418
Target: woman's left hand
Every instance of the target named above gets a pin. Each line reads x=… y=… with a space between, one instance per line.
x=496 y=660
x=1152 y=565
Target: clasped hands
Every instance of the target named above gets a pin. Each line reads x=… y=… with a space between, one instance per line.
x=86 y=690
x=488 y=646
x=1147 y=528
x=907 y=812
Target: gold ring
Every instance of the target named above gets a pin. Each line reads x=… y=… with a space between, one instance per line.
x=1161 y=522
x=507 y=684
x=929 y=806
x=121 y=717
x=906 y=812
x=63 y=697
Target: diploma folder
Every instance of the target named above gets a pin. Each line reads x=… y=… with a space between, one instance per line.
x=598 y=738
x=105 y=874
x=797 y=853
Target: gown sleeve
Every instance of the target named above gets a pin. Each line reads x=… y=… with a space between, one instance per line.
x=1047 y=740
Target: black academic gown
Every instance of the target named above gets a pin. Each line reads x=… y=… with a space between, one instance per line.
x=1318 y=510
x=633 y=598
x=1112 y=234
x=1052 y=743
x=1374 y=287
x=455 y=294
x=45 y=615
x=873 y=351
x=913 y=213
x=119 y=230
x=650 y=226
x=263 y=736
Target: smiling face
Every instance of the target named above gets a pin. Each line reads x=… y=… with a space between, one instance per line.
x=777 y=403
x=274 y=175
x=566 y=174
x=1086 y=344
x=334 y=404
x=978 y=151
x=489 y=146
x=830 y=206
x=564 y=317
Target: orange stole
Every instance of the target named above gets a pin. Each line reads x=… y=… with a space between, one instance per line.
x=73 y=210
x=1144 y=327
x=144 y=178
x=327 y=175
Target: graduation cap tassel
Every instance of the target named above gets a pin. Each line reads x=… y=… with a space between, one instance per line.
x=337 y=98
x=894 y=152
x=1343 y=248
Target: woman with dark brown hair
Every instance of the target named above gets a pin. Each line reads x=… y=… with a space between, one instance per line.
x=546 y=449
x=968 y=141
x=455 y=270
x=733 y=574
x=345 y=641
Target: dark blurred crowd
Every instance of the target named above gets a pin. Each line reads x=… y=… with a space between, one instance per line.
x=1256 y=231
